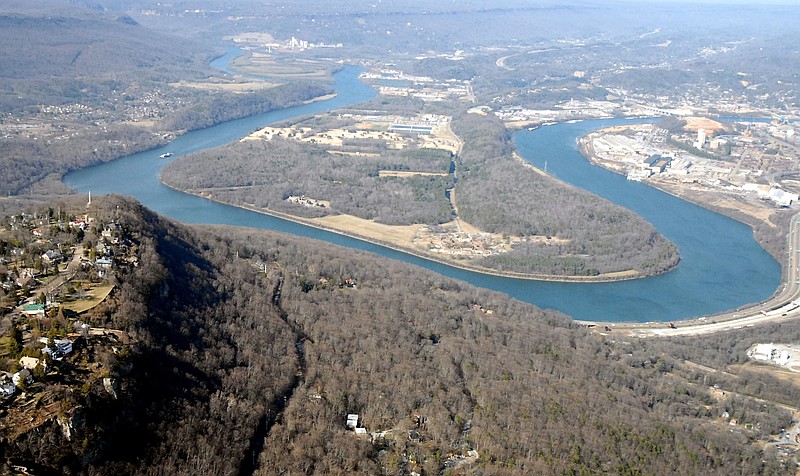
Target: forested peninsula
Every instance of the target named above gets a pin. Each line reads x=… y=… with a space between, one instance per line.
x=246 y=351
x=511 y=219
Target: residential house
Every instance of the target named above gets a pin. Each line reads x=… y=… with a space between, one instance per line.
x=104 y=262
x=34 y=310
x=25 y=279
x=52 y=257
x=31 y=363
x=352 y=421
x=77 y=224
x=23 y=375
x=62 y=348
x=7 y=387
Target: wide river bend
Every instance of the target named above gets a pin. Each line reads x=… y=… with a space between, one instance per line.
x=722 y=266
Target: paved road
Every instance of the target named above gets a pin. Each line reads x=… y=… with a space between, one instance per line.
x=761 y=313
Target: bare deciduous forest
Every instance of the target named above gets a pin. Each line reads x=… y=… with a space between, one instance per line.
x=251 y=348
x=498 y=195
x=264 y=174
x=248 y=349
x=493 y=191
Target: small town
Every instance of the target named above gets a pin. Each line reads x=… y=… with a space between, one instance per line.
x=57 y=271
x=390 y=82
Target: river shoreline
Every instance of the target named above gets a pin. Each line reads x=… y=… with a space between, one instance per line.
x=420 y=254
x=588 y=153
x=733 y=275
x=697 y=324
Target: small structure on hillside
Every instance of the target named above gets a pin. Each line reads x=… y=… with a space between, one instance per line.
x=22 y=377
x=31 y=363
x=7 y=387
x=352 y=425
x=352 y=421
x=62 y=348
x=34 y=310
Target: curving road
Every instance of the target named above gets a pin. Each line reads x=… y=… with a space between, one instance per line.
x=783 y=306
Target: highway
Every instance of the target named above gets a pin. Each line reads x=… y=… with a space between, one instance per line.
x=783 y=306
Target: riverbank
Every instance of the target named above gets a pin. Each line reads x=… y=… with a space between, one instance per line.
x=733 y=274
x=377 y=235
x=768 y=311
x=781 y=307
x=749 y=211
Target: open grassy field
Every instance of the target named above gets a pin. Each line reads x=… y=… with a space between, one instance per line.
x=94 y=296
x=281 y=69
x=396 y=235
x=232 y=86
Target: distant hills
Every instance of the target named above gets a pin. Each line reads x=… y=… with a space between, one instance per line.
x=81 y=86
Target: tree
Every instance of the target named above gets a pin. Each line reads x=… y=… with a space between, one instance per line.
x=15 y=342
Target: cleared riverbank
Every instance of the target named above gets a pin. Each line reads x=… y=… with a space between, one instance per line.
x=374 y=234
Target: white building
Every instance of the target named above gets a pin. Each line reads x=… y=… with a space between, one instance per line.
x=701 y=138
x=352 y=421
x=62 y=348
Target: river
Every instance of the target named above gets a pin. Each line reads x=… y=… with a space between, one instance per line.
x=722 y=266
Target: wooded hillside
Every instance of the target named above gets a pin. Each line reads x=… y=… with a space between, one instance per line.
x=81 y=87
x=252 y=348
x=497 y=194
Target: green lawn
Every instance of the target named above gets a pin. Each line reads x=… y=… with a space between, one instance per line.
x=95 y=295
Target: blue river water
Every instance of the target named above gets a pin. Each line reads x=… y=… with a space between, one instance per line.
x=722 y=266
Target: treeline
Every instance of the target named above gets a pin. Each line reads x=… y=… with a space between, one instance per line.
x=216 y=108
x=497 y=194
x=263 y=174
x=36 y=166
x=85 y=87
x=252 y=347
x=493 y=192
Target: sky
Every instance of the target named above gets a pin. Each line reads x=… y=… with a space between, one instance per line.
x=727 y=2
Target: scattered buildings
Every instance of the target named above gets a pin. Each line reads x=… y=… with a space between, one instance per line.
x=730 y=163
x=770 y=192
x=427 y=131
x=451 y=241
x=782 y=355
x=396 y=83
x=307 y=201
